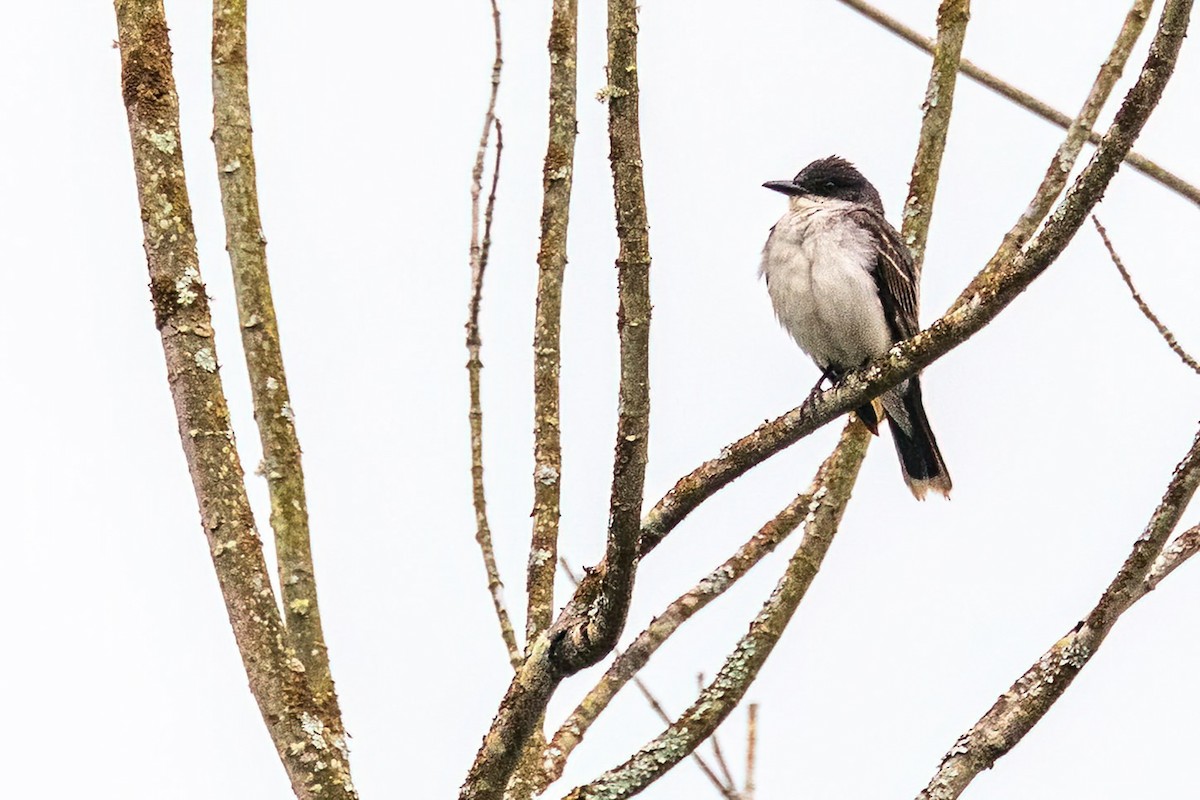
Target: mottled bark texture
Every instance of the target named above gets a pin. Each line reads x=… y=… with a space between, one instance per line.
x=633 y=326
x=1025 y=703
x=314 y=756
x=637 y=655
x=829 y=495
x=557 y=174
x=1136 y=162
x=273 y=410
x=952 y=19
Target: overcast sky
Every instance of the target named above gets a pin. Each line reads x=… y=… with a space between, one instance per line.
x=1060 y=422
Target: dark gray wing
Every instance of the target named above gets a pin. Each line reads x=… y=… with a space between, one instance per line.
x=895 y=275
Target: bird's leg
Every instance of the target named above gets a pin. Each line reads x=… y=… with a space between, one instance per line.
x=869 y=414
x=827 y=374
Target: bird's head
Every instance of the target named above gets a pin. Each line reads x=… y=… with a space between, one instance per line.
x=831 y=178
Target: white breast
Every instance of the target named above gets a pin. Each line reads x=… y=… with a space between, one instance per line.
x=818 y=264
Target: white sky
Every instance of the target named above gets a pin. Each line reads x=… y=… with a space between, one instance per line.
x=1060 y=423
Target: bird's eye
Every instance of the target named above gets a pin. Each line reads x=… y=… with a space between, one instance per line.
x=830 y=185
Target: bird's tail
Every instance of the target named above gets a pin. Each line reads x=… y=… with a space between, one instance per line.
x=920 y=460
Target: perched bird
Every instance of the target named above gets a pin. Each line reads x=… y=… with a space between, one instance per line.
x=844 y=286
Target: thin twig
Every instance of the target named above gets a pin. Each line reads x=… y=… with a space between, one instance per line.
x=1027 y=101
x=1031 y=696
x=751 y=750
x=276 y=676
x=1162 y=329
x=273 y=409
x=480 y=247
x=725 y=788
x=830 y=493
x=664 y=624
x=590 y=624
x=1059 y=169
x=557 y=173
x=952 y=18
x=564 y=649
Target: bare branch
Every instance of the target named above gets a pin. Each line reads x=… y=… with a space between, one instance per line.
x=1064 y=160
x=952 y=19
x=552 y=774
x=1174 y=554
x=276 y=676
x=1162 y=329
x=566 y=649
x=589 y=626
x=1027 y=101
x=586 y=644
x=1027 y=701
x=480 y=249
x=1005 y=276
x=557 y=174
x=751 y=749
x=626 y=665
x=273 y=409
x=830 y=494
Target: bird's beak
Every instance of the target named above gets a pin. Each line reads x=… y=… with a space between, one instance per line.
x=786 y=187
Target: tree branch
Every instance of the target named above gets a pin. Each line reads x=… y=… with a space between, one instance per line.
x=590 y=625
x=1162 y=329
x=629 y=662
x=1179 y=551
x=587 y=644
x=1008 y=273
x=557 y=174
x=552 y=759
x=1027 y=101
x=273 y=411
x=830 y=494
x=1027 y=701
x=953 y=16
x=1064 y=159
x=952 y=19
x=479 y=259
x=726 y=779
x=314 y=756
x=557 y=653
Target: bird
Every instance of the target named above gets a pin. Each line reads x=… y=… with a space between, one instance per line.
x=844 y=286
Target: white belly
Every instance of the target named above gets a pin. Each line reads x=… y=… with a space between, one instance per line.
x=817 y=264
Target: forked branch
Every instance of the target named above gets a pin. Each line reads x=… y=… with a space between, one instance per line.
x=830 y=493
x=1027 y=701
x=314 y=756
x=480 y=248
